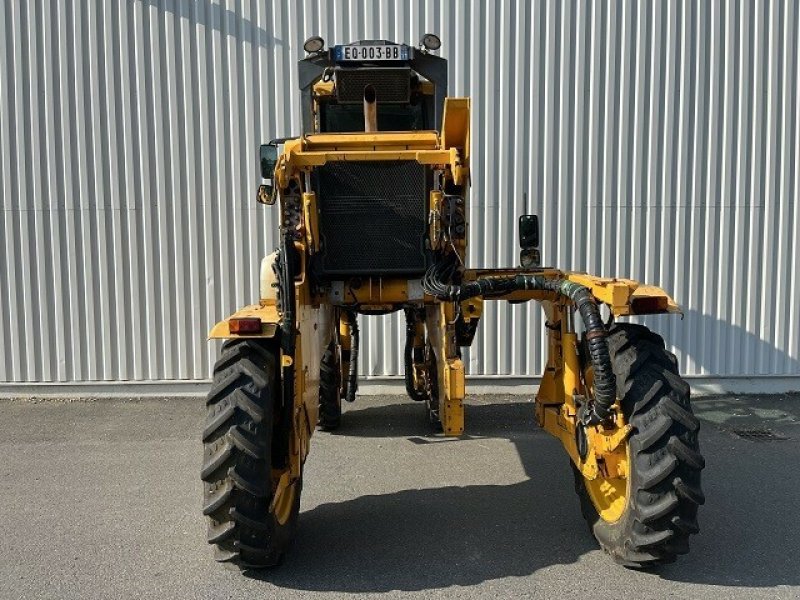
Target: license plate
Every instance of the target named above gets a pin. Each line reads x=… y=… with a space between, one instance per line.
x=370 y=53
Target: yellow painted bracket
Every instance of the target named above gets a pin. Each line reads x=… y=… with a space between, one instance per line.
x=626 y=296
x=311 y=221
x=435 y=219
x=455 y=127
x=451 y=411
x=269 y=322
x=605 y=445
x=472 y=309
x=606 y=442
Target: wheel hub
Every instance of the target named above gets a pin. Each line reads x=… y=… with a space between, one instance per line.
x=283 y=502
x=609 y=490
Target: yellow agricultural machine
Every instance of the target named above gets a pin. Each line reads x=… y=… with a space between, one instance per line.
x=373 y=200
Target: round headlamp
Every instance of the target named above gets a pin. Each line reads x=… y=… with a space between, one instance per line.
x=530 y=258
x=431 y=41
x=314 y=44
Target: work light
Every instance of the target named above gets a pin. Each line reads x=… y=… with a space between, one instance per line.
x=313 y=44
x=431 y=41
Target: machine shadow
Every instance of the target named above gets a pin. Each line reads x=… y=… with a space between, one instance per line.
x=745 y=352
x=424 y=539
x=421 y=539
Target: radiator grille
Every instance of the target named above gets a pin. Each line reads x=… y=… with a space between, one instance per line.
x=391 y=84
x=372 y=217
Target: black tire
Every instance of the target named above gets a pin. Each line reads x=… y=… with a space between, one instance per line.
x=664 y=492
x=237 y=459
x=330 y=387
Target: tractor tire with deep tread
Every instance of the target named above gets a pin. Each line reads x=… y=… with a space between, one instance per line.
x=664 y=475
x=330 y=386
x=237 y=460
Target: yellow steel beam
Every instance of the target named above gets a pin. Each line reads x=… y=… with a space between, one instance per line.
x=621 y=295
x=315 y=158
x=420 y=140
x=315 y=150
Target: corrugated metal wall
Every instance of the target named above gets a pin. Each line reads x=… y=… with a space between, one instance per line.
x=657 y=140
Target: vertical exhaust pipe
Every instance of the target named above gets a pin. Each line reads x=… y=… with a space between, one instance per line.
x=370 y=109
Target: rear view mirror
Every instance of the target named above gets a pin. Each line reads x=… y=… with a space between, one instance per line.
x=529 y=256
x=528 y=231
x=269 y=158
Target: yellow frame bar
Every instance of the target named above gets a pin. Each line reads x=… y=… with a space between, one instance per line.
x=420 y=140
x=314 y=150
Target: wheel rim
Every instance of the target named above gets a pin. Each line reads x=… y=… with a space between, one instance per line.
x=609 y=494
x=284 y=503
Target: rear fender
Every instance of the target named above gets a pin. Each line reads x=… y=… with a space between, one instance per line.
x=267 y=313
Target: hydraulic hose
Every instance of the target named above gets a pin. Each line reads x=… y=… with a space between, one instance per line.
x=596 y=334
x=352 y=374
x=287 y=295
x=288 y=338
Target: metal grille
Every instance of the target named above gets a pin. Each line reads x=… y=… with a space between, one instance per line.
x=392 y=85
x=372 y=217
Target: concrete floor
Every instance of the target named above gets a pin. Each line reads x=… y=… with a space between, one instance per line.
x=101 y=499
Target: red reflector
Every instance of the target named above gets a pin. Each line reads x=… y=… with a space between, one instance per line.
x=250 y=325
x=649 y=304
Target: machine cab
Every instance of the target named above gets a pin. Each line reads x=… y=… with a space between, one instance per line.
x=408 y=84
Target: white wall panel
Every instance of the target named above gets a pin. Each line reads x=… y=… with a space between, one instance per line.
x=656 y=140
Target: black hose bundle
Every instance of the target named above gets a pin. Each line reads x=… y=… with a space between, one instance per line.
x=286 y=294
x=435 y=278
x=434 y=283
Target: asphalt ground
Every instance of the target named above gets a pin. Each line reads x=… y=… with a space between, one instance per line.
x=101 y=499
